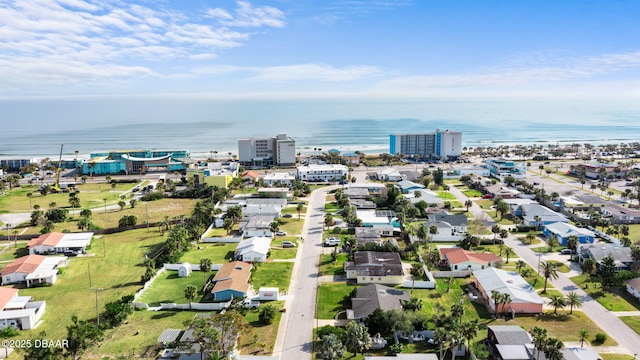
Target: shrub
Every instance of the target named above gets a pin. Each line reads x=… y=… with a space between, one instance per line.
x=267 y=314
x=152 y=196
x=600 y=338
x=127 y=220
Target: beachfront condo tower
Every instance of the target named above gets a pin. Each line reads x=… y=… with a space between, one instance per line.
x=279 y=150
x=439 y=144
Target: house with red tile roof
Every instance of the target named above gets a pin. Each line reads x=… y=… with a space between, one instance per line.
x=33 y=269
x=19 y=311
x=58 y=243
x=231 y=281
x=461 y=259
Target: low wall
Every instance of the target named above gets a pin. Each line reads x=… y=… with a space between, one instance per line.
x=194 y=267
x=221 y=240
x=419 y=284
x=455 y=274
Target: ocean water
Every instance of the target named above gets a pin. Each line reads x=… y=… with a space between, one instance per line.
x=33 y=128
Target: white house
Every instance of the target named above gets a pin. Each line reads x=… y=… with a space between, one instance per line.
x=19 y=311
x=56 y=242
x=389 y=174
x=324 y=172
x=254 y=249
x=633 y=287
x=33 y=269
x=278 y=179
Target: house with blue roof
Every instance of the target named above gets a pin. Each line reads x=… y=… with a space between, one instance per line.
x=561 y=231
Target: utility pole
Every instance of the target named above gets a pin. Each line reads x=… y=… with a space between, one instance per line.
x=146 y=208
x=89 y=270
x=97 y=290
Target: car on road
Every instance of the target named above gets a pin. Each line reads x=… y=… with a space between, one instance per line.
x=281 y=233
x=287 y=216
x=332 y=241
x=288 y=244
x=136 y=189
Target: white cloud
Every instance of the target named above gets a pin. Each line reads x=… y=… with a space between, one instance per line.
x=247 y=15
x=316 y=72
x=109 y=37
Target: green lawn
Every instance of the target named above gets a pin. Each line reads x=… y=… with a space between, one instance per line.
x=561 y=266
x=614 y=299
x=169 y=288
x=331 y=299
x=609 y=356
x=564 y=326
x=328 y=267
x=272 y=274
x=118 y=274
x=289 y=253
x=219 y=253
x=472 y=193
x=633 y=322
x=259 y=339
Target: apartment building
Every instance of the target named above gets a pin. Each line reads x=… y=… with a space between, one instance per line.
x=279 y=150
x=439 y=144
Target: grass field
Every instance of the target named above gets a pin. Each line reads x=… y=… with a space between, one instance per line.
x=155 y=210
x=272 y=274
x=283 y=254
x=612 y=299
x=328 y=267
x=259 y=339
x=118 y=274
x=331 y=299
x=218 y=253
x=633 y=322
x=90 y=195
x=169 y=288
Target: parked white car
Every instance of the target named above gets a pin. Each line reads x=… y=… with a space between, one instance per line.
x=332 y=241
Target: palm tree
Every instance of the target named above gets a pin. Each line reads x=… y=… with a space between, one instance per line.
x=433 y=230
x=190 y=292
x=573 y=300
x=572 y=243
x=539 y=336
x=506 y=299
x=530 y=237
x=552 y=242
x=495 y=229
x=30 y=195
x=105 y=204
x=417 y=271
x=557 y=301
x=299 y=208
x=449 y=281
x=205 y=267
x=520 y=264
x=468 y=204
x=584 y=335
x=552 y=349
x=508 y=251
x=549 y=270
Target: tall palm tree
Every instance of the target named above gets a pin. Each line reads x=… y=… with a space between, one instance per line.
x=549 y=270
x=468 y=204
x=557 y=301
x=190 y=293
x=417 y=271
x=552 y=349
x=573 y=300
x=520 y=264
x=495 y=229
x=539 y=336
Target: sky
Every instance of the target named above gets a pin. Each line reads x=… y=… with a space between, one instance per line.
x=319 y=48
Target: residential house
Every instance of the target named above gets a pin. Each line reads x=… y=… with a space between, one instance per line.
x=561 y=231
x=370 y=267
x=501 y=168
x=250 y=176
x=620 y=214
x=253 y=249
x=633 y=287
x=33 y=269
x=324 y=172
x=509 y=342
x=356 y=193
x=266 y=210
x=407 y=186
x=213 y=174
x=501 y=191
x=59 y=243
x=389 y=174
x=372 y=187
x=580 y=353
x=461 y=259
x=256 y=226
x=524 y=298
x=426 y=195
x=411 y=175
x=278 y=179
x=450 y=227
x=385 y=220
x=538 y=215
x=515 y=205
x=621 y=255
x=351 y=158
x=231 y=281
x=367 y=234
x=273 y=192
x=19 y=311
x=402 y=356
x=375 y=296
x=595 y=171
x=362 y=204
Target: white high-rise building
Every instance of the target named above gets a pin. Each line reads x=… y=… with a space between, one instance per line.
x=439 y=144
x=279 y=150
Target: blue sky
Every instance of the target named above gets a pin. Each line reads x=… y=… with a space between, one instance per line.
x=319 y=48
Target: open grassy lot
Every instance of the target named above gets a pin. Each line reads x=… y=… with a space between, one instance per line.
x=118 y=274
x=168 y=287
x=156 y=210
x=564 y=326
x=614 y=299
x=609 y=356
x=328 y=267
x=560 y=266
x=259 y=339
x=90 y=195
x=219 y=253
x=292 y=225
x=472 y=193
x=331 y=299
x=632 y=322
x=272 y=274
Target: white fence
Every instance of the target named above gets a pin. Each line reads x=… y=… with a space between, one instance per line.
x=195 y=306
x=147 y=284
x=419 y=284
x=165 y=267
x=455 y=274
x=221 y=240
x=194 y=267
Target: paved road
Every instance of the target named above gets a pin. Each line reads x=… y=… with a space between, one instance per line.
x=627 y=339
x=295 y=334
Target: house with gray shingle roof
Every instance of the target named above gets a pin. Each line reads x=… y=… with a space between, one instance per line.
x=375 y=296
x=538 y=215
x=620 y=254
x=450 y=227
